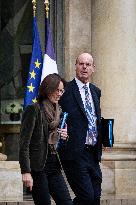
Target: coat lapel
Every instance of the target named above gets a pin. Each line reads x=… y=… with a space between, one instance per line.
x=95 y=99
x=78 y=96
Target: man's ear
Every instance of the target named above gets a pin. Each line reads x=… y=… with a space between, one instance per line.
x=94 y=68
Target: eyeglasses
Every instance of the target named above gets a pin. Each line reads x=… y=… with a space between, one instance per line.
x=86 y=64
x=60 y=91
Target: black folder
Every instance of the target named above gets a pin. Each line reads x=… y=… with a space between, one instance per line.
x=107 y=132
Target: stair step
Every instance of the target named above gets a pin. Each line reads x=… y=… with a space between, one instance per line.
x=103 y=202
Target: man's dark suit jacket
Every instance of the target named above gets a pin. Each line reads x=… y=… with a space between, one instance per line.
x=71 y=102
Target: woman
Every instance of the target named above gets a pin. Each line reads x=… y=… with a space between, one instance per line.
x=38 y=158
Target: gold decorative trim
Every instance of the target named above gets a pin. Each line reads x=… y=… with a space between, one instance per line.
x=46 y=3
x=34 y=7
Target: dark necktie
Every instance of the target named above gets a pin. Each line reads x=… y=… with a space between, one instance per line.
x=92 y=133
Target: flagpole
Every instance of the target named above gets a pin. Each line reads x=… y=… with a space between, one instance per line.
x=46 y=3
x=34 y=7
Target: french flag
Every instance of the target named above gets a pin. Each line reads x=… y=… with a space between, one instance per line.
x=49 y=62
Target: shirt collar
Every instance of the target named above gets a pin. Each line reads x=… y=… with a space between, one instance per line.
x=80 y=84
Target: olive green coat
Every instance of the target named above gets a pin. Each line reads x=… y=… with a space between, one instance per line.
x=33 y=140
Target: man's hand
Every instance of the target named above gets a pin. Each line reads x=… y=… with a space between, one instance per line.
x=27 y=180
x=106 y=149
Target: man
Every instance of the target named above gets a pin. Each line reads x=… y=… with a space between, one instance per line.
x=81 y=155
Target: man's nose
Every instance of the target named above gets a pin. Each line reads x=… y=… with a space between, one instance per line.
x=84 y=65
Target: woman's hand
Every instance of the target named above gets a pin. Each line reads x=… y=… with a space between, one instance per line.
x=63 y=133
x=27 y=180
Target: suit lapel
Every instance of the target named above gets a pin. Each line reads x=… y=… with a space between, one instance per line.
x=78 y=98
x=77 y=95
x=95 y=99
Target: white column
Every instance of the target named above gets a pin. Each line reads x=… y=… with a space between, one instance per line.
x=114 y=49
x=77 y=32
